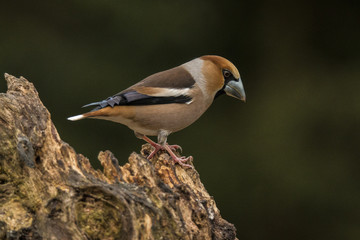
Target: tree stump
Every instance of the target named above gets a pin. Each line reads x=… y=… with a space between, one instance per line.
x=48 y=191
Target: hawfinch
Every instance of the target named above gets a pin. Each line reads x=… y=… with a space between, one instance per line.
x=169 y=101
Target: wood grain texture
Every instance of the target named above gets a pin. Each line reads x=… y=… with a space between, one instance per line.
x=48 y=191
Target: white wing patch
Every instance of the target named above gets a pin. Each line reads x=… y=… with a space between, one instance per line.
x=171 y=92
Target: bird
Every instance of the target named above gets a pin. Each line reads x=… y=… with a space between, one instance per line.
x=169 y=101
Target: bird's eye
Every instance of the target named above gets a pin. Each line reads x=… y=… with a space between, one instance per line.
x=227 y=74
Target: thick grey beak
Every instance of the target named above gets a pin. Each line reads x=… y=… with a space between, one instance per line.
x=235 y=89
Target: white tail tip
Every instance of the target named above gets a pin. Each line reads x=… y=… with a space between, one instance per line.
x=75 y=118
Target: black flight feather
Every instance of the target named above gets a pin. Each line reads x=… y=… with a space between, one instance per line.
x=133 y=98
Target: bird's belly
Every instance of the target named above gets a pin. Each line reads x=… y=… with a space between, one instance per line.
x=170 y=117
x=130 y=123
x=150 y=119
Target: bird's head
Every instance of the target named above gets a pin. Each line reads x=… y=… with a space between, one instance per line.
x=222 y=77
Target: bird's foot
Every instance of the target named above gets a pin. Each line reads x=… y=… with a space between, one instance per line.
x=175 y=147
x=182 y=160
x=157 y=147
x=169 y=149
x=179 y=160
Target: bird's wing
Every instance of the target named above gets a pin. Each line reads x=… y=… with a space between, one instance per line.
x=171 y=86
x=175 y=78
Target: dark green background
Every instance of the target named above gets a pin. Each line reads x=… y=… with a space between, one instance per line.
x=285 y=165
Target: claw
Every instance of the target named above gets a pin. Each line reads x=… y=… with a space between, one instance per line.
x=182 y=160
x=175 y=148
x=179 y=160
x=169 y=149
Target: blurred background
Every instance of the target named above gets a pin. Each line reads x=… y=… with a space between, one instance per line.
x=285 y=165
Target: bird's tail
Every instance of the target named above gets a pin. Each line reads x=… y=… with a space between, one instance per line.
x=104 y=112
x=77 y=117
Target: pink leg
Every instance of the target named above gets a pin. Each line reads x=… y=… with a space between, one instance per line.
x=175 y=147
x=179 y=160
x=169 y=149
x=157 y=146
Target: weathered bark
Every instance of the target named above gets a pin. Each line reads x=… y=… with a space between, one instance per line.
x=48 y=191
